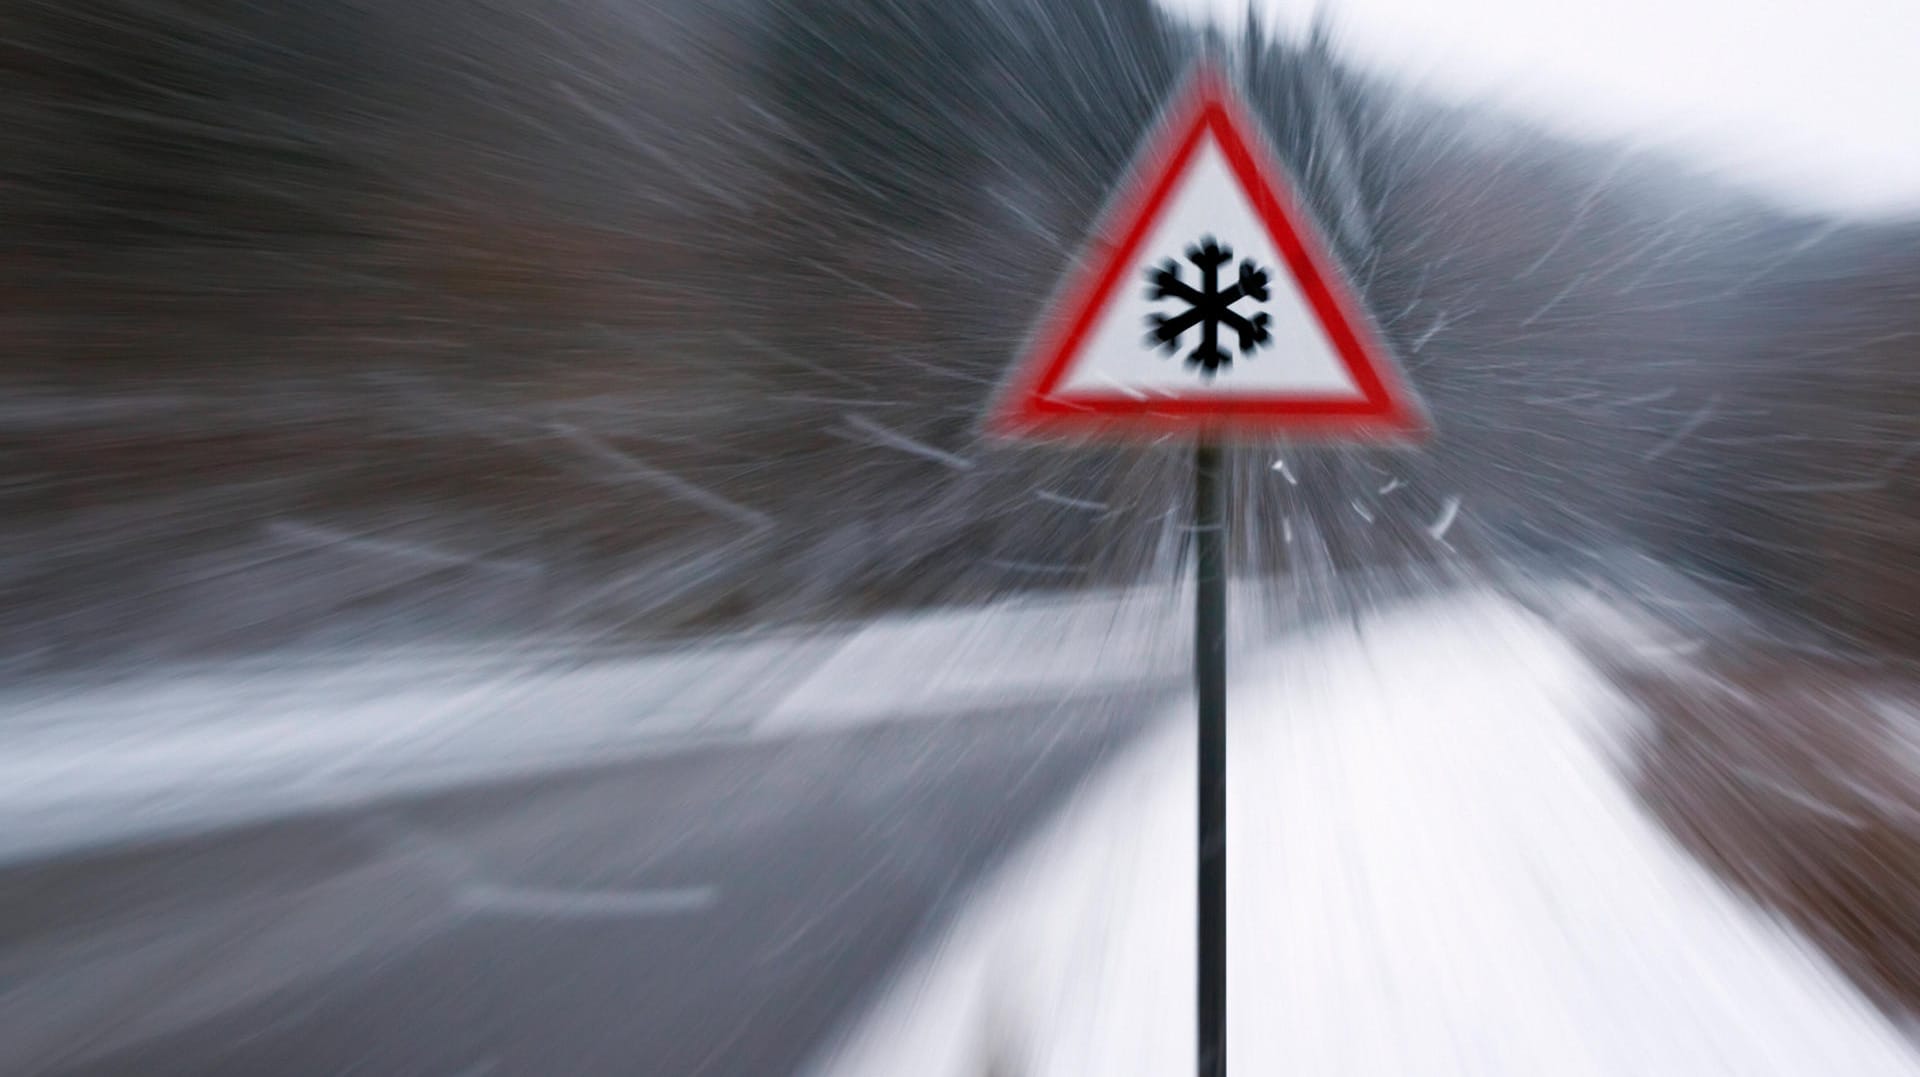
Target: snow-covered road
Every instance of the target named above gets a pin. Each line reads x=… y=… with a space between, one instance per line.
x=1437 y=866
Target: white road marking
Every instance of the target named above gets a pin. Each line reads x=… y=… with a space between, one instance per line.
x=585 y=904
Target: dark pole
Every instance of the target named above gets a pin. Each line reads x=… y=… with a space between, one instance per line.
x=1210 y=680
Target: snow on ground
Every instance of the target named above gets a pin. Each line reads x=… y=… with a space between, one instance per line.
x=185 y=748
x=1435 y=867
x=1002 y=654
x=180 y=750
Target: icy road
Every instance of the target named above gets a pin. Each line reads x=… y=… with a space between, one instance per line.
x=817 y=852
x=547 y=860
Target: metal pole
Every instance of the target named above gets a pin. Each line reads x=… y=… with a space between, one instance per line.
x=1210 y=680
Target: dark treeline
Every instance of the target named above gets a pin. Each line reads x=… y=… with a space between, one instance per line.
x=347 y=321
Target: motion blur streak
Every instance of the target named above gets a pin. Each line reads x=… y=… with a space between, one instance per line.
x=500 y=574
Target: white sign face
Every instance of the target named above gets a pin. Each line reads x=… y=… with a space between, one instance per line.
x=1207 y=304
x=1297 y=360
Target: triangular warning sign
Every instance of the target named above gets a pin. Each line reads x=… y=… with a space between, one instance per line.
x=1207 y=303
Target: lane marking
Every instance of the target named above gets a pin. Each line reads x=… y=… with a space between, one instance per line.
x=584 y=904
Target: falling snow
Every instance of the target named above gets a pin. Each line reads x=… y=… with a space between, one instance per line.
x=587 y=327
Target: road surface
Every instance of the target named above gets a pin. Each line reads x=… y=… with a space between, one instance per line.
x=544 y=862
x=708 y=911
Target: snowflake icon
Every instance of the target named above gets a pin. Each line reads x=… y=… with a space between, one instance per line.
x=1209 y=306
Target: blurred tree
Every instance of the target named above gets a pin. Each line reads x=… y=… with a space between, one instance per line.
x=215 y=121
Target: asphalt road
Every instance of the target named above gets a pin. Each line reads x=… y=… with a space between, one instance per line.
x=712 y=912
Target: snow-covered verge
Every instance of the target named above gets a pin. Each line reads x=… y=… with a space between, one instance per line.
x=1437 y=865
x=1787 y=762
x=189 y=747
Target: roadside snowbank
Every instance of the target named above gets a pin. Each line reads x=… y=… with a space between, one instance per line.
x=177 y=749
x=1435 y=867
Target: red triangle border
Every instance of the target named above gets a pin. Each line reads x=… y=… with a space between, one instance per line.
x=1028 y=407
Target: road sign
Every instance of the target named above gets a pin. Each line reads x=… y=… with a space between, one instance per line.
x=1206 y=302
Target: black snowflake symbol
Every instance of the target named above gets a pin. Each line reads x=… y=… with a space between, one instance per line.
x=1208 y=306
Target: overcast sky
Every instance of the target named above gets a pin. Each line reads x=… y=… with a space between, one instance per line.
x=1814 y=102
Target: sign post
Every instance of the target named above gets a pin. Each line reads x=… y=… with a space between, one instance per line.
x=1206 y=307
x=1210 y=683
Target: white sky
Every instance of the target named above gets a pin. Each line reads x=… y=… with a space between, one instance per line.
x=1814 y=102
